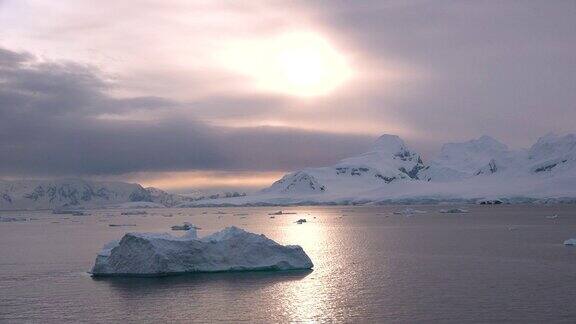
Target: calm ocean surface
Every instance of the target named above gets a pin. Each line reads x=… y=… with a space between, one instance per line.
x=493 y=264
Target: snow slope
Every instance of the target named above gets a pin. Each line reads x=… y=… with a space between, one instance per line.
x=231 y=249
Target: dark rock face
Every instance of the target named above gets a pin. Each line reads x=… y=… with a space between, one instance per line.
x=549 y=167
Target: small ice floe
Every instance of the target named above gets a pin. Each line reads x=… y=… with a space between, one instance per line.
x=241 y=214
x=282 y=213
x=121 y=225
x=409 y=212
x=487 y=201
x=12 y=219
x=570 y=242
x=185 y=227
x=231 y=249
x=167 y=215
x=220 y=213
x=68 y=212
x=133 y=213
x=453 y=211
x=301 y=220
x=552 y=216
x=512 y=228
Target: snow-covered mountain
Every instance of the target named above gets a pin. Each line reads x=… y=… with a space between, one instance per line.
x=389 y=160
x=469 y=171
x=77 y=193
x=482 y=156
x=389 y=172
x=550 y=156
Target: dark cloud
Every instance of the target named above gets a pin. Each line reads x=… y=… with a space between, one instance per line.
x=506 y=68
x=10 y=59
x=55 y=119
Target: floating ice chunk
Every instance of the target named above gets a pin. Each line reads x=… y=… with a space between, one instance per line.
x=185 y=227
x=107 y=248
x=282 y=213
x=136 y=212
x=487 y=201
x=570 y=242
x=301 y=220
x=231 y=249
x=12 y=219
x=409 y=211
x=552 y=216
x=453 y=211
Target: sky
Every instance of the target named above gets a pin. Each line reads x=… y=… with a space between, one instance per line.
x=225 y=94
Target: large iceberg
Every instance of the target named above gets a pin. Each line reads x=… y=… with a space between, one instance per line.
x=231 y=249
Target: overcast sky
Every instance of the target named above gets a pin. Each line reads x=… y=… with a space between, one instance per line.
x=186 y=94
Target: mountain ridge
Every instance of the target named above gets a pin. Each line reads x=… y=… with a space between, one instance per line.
x=482 y=168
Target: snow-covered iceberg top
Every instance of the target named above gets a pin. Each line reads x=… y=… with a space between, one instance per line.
x=231 y=249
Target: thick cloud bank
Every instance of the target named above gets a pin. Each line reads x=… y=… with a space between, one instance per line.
x=59 y=118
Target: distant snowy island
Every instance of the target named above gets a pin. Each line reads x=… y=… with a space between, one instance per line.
x=476 y=171
x=70 y=194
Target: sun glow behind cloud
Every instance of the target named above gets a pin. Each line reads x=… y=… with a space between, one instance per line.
x=215 y=180
x=297 y=63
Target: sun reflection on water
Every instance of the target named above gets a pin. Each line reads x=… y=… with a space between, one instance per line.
x=306 y=300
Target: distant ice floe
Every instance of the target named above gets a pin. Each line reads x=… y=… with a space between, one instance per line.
x=453 y=211
x=282 y=213
x=141 y=204
x=185 y=227
x=13 y=219
x=134 y=213
x=409 y=212
x=570 y=242
x=231 y=249
x=487 y=201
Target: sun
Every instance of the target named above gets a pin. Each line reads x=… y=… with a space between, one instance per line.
x=300 y=64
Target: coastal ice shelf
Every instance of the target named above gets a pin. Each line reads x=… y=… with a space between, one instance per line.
x=231 y=249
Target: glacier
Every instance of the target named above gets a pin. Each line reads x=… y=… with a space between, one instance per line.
x=231 y=249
